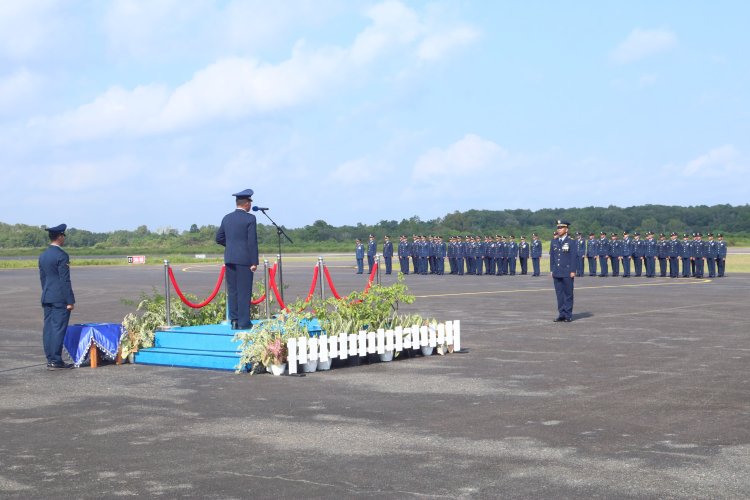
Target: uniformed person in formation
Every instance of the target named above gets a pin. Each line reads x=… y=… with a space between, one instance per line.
x=650 y=254
x=388 y=254
x=603 y=255
x=685 y=250
x=721 y=260
x=238 y=235
x=403 y=254
x=58 y=300
x=523 y=255
x=592 y=252
x=699 y=253
x=673 y=253
x=359 y=254
x=639 y=251
x=627 y=253
x=512 y=251
x=663 y=251
x=615 y=253
x=581 y=253
x=536 y=254
x=563 y=255
x=712 y=252
x=372 y=250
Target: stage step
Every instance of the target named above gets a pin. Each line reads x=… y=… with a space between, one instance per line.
x=204 y=346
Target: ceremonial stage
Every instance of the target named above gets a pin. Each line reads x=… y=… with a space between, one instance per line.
x=643 y=395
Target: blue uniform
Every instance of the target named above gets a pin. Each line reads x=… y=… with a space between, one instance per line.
x=512 y=251
x=414 y=249
x=592 y=252
x=685 y=256
x=627 y=253
x=722 y=258
x=649 y=257
x=673 y=253
x=460 y=255
x=603 y=245
x=712 y=253
x=663 y=253
x=615 y=252
x=388 y=256
x=581 y=255
x=372 y=249
x=359 y=254
x=536 y=255
x=440 y=252
x=524 y=250
x=57 y=295
x=563 y=255
x=639 y=251
x=238 y=235
x=698 y=252
x=403 y=255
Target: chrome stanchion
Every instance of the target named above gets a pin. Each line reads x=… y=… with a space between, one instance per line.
x=167 y=293
x=268 y=290
x=280 y=275
x=320 y=279
x=377 y=269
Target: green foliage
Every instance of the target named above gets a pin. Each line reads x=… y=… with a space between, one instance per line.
x=266 y=342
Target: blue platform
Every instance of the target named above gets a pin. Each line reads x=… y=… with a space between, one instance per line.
x=205 y=346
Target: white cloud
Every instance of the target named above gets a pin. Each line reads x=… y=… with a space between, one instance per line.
x=17 y=89
x=470 y=155
x=78 y=176
x=236 y=87
x=436 y=46
x=641 y=44
x=718 y=162
x=29 y=27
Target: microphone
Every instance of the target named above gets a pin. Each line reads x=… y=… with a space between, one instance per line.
x=255 y=209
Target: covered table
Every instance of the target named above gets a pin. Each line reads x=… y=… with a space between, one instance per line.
x=82 y=339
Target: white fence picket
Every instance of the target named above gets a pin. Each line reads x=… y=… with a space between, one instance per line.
x=371 y=347
x=406 y=339
x=449 y=332
x=291 y=348
x=302 y=353
x=441 y=334
x=362 y=343
x=457 y=335
x=380 y=344
x=432 y=338
x=423 y=339
x=398 y=337
x=353 y=344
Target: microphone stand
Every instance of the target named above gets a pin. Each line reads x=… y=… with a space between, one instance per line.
x=279 y=232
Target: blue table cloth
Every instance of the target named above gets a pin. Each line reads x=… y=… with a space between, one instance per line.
x=106 y=336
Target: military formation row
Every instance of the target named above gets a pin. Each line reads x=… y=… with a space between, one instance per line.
x=499 y=255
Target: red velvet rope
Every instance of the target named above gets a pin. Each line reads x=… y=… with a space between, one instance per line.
x=312 y=285
x=370 y=280
x=330 y=283
x=205 y=302
x=259 y=299
x=272 y=282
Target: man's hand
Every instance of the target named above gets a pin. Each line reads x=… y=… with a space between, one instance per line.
x=70 y=307
x=572 y=275
x=253 y=268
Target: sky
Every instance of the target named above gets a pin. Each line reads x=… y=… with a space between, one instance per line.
x=116 y=114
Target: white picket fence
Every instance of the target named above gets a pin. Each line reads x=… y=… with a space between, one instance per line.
x=363 y=343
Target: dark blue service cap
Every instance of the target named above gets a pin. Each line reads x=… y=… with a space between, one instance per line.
x=57 y=229
x=637 y=234
x=245 y=193
x=562 y=223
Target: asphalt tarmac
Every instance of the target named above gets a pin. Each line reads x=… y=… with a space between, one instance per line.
x=645 y=394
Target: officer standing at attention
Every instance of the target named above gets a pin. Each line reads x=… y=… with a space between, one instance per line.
x=673 y=254
x=440 y=252
x=639 y=250
x=712 y=252
x=388 y=254
x=536 y=254
x=403 y=254
x=512 y=254
x=627 y=252
x=359 y=254
x=650 y=253
x=722 y=258
x=603 y=254
x=686 y=249
x=699 y=252
x=238 y=235
x=580 y=252
x=58 y=300
x=615 y=252
x=460 y=255
x=663 y=253
x=563 y=263
x=372 y=249
x=523 y=255
x=592 y=251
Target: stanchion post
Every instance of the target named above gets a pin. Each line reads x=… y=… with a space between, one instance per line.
x=268 y=290
x=377 y=269
x=167 y=293
x=280 y=274
x=320 y=278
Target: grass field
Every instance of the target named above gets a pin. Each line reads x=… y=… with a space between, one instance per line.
x=736 y=262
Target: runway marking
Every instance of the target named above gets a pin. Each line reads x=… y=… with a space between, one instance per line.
x=547 y=289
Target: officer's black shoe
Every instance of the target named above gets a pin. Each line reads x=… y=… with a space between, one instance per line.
x=59 y=366
x=567 y=320
x=558 y=319
x=235 y=325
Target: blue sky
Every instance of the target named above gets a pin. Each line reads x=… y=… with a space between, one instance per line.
x=123 y=113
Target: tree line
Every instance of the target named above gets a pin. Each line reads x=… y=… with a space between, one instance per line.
x=733 y=221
